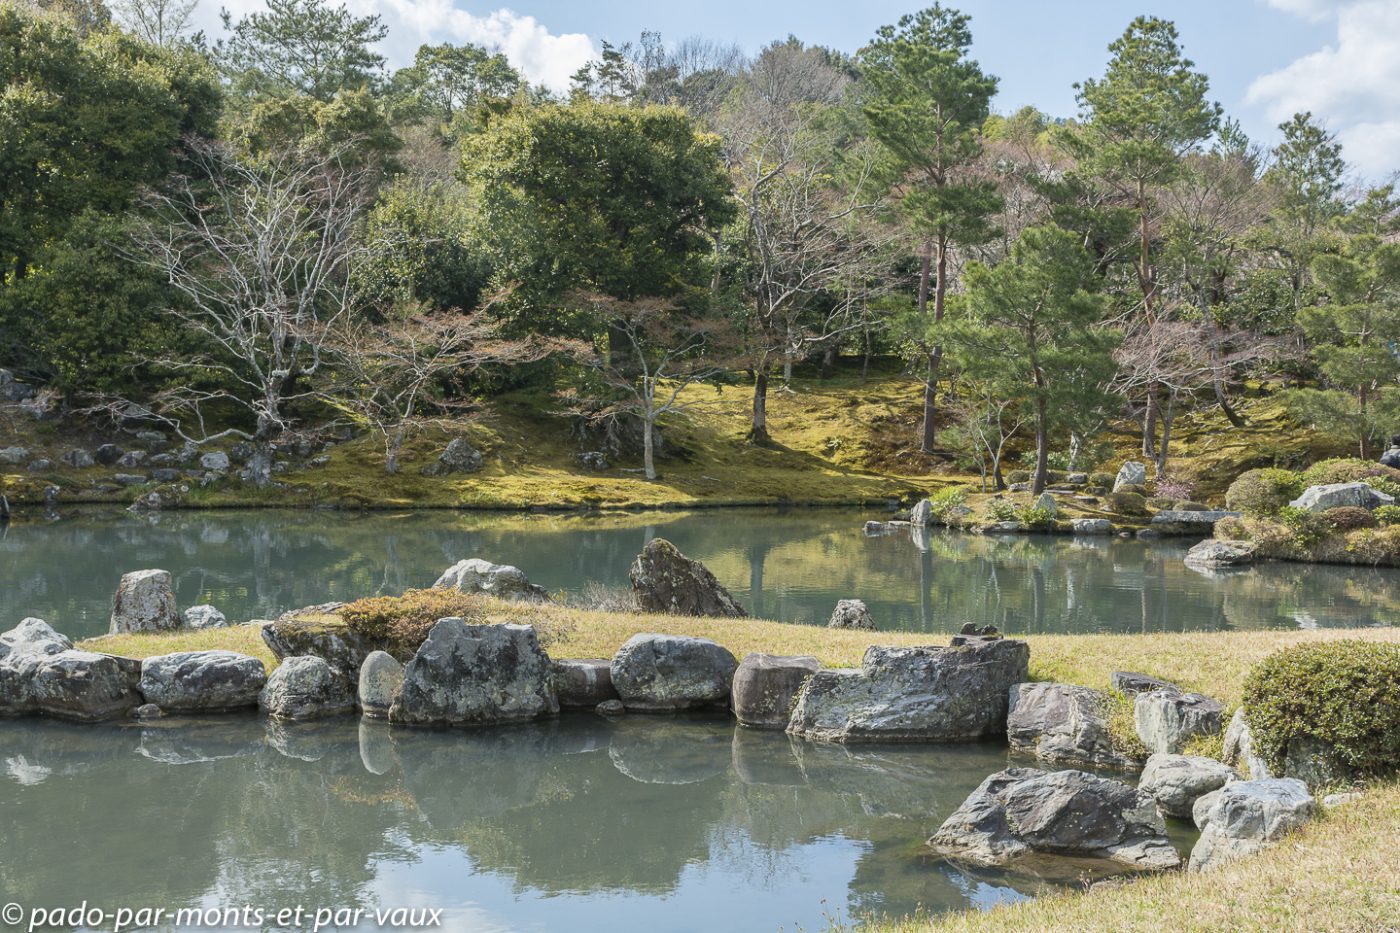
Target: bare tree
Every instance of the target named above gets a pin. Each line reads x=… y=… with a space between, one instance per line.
x=159 y=22
x=259 y=254
x=990 y=420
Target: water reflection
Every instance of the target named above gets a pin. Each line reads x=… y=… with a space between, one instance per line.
x=788 y=565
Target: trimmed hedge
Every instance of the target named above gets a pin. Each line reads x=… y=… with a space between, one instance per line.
x=1263 y=492
x=1350 y=518
x=1345 y=693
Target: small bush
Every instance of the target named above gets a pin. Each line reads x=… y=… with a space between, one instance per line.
x=1233 y=529
x=1328 y=472
x=1034 y=516
x=1001 y=510
x=1018 y=476
x=948 y=505
x=1263 y=492
x=1388 y=515
x=1307 y=528
x=401 y=623
x=1127 y=503
x=1349 y=518
x=1374 y=545
x=1345 y=693
x=1104 y=480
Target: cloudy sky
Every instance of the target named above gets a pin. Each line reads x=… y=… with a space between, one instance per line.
x=1266 y=58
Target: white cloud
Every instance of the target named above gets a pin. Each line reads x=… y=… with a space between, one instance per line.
x=1351 y=84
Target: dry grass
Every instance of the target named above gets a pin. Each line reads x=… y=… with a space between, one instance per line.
x=245 y=639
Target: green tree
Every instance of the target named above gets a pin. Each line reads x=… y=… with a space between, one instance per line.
x=352 y=124
x=300 y=47
x=1031 y=327
x=446 y=82
x=926 y=102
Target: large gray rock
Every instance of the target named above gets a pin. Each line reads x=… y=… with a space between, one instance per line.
x=1337 y=495
x=13 y=456
x=1243 y=818
x=928 y=694
x=1214 y=553
x=1391 y=458
x=1167 y=720
x=1239 y=749
x=197 y=617
x=475 y=575
x=42 y=674
x=1187 y=522
x=1176 y=782
x=665 y=580
x=306 y=688
x=1023 y=812
x=1131 y=473
x=381 y=679
x=476 y=675
x=338 y=645
x=660 y=673
x=922 y=513
x=1063 y=724
x=765 y=686
x=852 y=614
x=33 y=636
x=202 y=681
x=78 y=459
x=583 y=683
x=145 y=602
x=216 y=461
x=458 y=457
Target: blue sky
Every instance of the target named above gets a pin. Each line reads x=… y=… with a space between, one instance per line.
x=1265 y=58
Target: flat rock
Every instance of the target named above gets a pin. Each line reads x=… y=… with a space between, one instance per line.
x=1180 y=517
x=1243 y=818
x=305 y=688
x=1131 y=683
x=503 y=581
x=1339 y=495
x=1063 y=724
x=583 y=683
x=1176 y=782
x=202 y=681
x=665 y=580
x=1167 y=720
x=765 y=686
x=381 y=678
x=145 y=602
x=1214 y=553
x=658 y=673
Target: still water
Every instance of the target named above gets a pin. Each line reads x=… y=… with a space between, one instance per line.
x=637 y=824
x=788 y=565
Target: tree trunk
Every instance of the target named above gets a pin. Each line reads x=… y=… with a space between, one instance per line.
x=1149 y=425
x=758 y=430
x=935 y=358
x=1164 y=451
x=1042 y=446
x=928 y=436
x=391 y=452
x=648 y=447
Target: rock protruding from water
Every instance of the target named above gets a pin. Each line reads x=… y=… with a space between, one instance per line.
x=1239 y=749
x=662 y=673
x=1130 y=474
x=42 y=674
x=852 y=614
x=202 y=681
x=583 y=683
x=466 y=675
x=1341 y=495
x=1243 y=818
x=1176 y=782
x=1167 y=720
x=1213 y=554
x=381 y=679
x=765 y=686
x=922 y=514
x=1023 y=812
x=931 y=694
x=306 y=688
x=1063 y=724
x=665 y=580
x=1092 y=526
x=503 y=581
x=145 y=602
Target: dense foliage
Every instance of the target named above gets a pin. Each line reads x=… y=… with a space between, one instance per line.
x=1263 y=492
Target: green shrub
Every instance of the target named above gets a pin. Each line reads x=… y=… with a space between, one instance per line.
x=401 y=623
x=1105 y=480
x=1374 y=545
x=1018 y=476
x=1036 y=517
x=1001 y=510
x=1307 y=528
x=1327 y=472
x=1263 y=492
x=947 y=505
x=1127 y=503
x=1388 y=515
x=1349 y=518
x=1345 y=693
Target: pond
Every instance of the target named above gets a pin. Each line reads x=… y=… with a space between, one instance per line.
x=789 y=565
x=639 y=823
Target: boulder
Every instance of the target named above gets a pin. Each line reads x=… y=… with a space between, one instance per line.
x=458 y=457
x=78 y=459
x=1046 y=502
x=381 y=678
x=1167 y=720
x=339 y=646
x=1183 y=521
x=33 y=636
x=42 y=465
x=108 y=454
x=42 y=674
x=12 y=390
x=1131 y=473
x=476 y=675
x=13 y=456
x=852 y=614
x=306 y=688
x=1338 y=495
x=1391 y=458
x=661 y=673
x=922 y=513
x=1092 y=526
x=203 y=617
x=765 y=686
x=1243 y=818
x=583 y=683
x=145 y=602
x=1131 y=683
x=130 y=479
x=1176 y=782
x=166 y=475
x=923 y=694
x=202 y=681
x=1063 y=724
x=215 y=460
x=481 y=576
x=665 y=580
x=132 y=459
x=1214 y=553
x=1023 y=812
x=1239 y=749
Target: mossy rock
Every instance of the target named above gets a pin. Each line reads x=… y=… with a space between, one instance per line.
x=1123 y=502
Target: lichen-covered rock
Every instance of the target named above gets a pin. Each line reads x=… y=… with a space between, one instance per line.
x=500 y=580
x=458 y=457
x=1023 y=812
x=33 y=636
x=1243 y=818
x=1176 y=782
x=765 y=686
x=660 y=673
x=1186 y=522
x=78 y=459
x=852 y=614
x=1214 y=553
x=145 y=602
x=381 y=678
x=476 y=675
x=202 y=681
x=216 y=461
x=1340 y=495
x=1239 y=749
x=665 y=580
x=42 y=674
x=197 y=617
x=338 y=645
x=583 y=683
x=1131 y=683
x=930 y=694
x=1131 y=473
x=1063 y=724
x=305 y=688
x=1167 y=720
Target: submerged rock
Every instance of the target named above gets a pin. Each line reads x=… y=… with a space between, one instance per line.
x=202 y=681
x=381 y=679
x=852 y=614
x=1166 y=720
x=306 y=688
x=1243 y=818
x=1176 y=782
x=145 y=602
x=660 y=673
x=765 y=686
x=665 y=580
x=475 y=575
x=1063 y=724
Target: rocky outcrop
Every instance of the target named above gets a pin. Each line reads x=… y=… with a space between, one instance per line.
x=145 y=602
x=1243 y=818
x=1131 y=683
x=665 y=580
x=852 y=614
x=1213 y=554
x=765 y=686
x=583 y=683
x=42 y=674
x=342 y=648
x=466 y=675
x=306 y=688
x=1176 y=782
x=202 y=681
x=503 y=581
x=1063 y=724
x=203 y=617
x=931 y=694
x=661 y=673
x=1339 y=495
x=1022 y=812
x=1130 y=474
x=1167 y=720
x=1239 y=753
x=381 y=678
